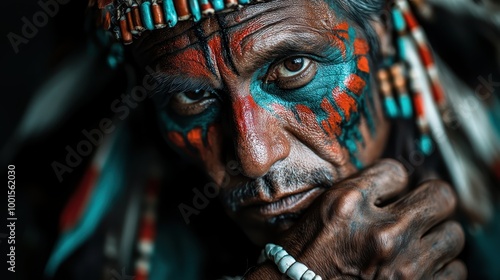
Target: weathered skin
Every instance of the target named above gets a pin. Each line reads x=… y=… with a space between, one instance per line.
x=285 y=89
x=348 y=235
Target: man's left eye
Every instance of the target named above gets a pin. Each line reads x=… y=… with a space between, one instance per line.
x=292 y=73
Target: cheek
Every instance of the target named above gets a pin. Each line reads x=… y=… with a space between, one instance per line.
x=326 y=114
x=196 y=137
x=201 y=145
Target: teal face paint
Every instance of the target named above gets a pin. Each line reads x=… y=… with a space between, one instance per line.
x=190 y=133
x=337 y=96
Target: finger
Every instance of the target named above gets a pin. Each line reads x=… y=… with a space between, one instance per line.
x=384 y=180
x=444 y=243
x=455 y=270
x=426 y=206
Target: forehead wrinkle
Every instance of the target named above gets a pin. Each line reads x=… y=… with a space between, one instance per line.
x=263 y=46
x=284 y=29
x=166 y=40
x=251 y=12
x=159 y=56
x=301 y=23
x=172 y=46
x=180 y=43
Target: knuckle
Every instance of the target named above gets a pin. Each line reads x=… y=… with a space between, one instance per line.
x=387 y=241
x=454 y=270
x=395 y=170
x=456 y=235
x=348 y=202
x=394 y=274
x=442 y=193
x=405 y=271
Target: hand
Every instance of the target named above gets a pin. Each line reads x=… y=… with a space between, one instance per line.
x=352 y=232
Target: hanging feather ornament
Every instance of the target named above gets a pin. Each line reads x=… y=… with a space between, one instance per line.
x=431 y=105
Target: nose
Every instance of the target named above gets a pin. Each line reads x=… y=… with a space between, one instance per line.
x=261 y=140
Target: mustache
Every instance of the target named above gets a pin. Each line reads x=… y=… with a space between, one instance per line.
x=272 y=182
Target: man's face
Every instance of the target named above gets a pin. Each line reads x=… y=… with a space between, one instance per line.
x=275 y=101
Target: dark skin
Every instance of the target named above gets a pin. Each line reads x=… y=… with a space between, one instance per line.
x=407 y=239
x=288 y=95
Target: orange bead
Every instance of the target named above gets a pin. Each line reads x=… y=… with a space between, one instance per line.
x=136 y=16
x=182 y=8
x=158 y=17
x=126 y=35
x=207 y=9
x=130 y=23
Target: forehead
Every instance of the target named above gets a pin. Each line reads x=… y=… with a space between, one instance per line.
x=241 y=38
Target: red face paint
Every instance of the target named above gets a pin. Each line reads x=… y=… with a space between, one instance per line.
x=355 y=84
x=346 y=103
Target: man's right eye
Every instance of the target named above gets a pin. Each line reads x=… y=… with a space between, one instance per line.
x=189 y=103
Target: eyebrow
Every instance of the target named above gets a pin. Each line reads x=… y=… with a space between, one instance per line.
x=297 y=40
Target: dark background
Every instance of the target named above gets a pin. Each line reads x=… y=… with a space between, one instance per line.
x=459 y=40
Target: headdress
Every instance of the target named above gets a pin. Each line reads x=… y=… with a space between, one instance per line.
x=129 y=18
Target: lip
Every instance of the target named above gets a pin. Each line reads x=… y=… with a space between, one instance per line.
x=289 y=204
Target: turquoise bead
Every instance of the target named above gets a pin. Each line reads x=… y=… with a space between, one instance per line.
x=195 y=10
x=401 y=47
x=399 y=21
x=147 y=17
x=243 y=2
x=406 y=106
x=426 y=144
x=218 y=4
x=390 y=107
x=170 y=13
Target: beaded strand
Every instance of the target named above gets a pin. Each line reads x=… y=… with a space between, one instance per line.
x=127 y=19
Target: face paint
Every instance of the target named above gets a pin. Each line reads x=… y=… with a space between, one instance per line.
x=195 y=134
x=291 y=95
x=336 y=97
x=191 y=135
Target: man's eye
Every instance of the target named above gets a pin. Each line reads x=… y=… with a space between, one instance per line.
x=292 y=73
x=191 y=103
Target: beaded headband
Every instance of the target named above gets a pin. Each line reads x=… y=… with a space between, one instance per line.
x=127 y=19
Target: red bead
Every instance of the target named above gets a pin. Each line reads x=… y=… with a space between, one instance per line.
x=207 y=9
x=136 y=16
x=158 y=17
x=182 y=8
x=130 y=23
x=126 y=35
